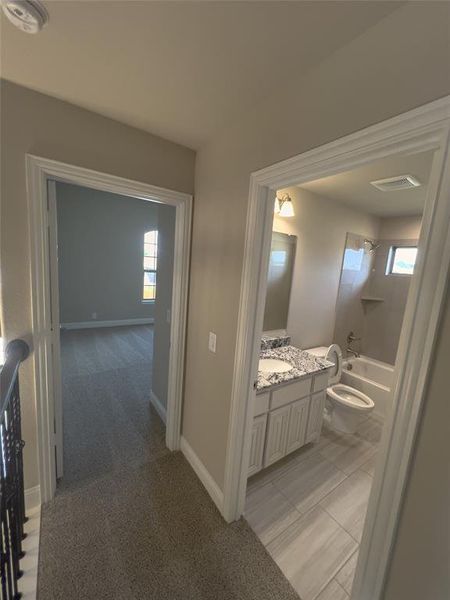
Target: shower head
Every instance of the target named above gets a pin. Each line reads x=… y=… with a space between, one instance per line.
x=370 y=246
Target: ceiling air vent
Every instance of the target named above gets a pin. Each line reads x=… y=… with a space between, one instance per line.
x=400 y=182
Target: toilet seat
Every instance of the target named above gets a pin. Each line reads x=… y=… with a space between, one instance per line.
x=350 y=397
x=346 y=406
x=334 y=355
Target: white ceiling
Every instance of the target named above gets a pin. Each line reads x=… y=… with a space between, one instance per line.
x=180 y=70
x=353 y=188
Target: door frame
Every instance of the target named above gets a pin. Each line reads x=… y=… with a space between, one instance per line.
x=43 y=251
x=425 y=128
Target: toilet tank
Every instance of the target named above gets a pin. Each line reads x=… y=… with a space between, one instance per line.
x=333 y=354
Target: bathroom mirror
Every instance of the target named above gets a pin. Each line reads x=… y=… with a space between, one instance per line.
x=279 y=280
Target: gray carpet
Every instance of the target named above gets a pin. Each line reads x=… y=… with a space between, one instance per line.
x=130 y=520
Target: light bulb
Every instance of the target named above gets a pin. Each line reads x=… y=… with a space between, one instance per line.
x=287 y=209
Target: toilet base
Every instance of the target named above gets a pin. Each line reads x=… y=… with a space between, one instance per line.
x=344 y=421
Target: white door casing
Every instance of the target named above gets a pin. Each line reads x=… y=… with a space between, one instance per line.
x=43 y=244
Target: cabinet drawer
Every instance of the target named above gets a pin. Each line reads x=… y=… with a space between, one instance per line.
x=261 y=404
x=321 y=381
x=291 y=392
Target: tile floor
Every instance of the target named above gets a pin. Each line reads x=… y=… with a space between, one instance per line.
x=309 y=510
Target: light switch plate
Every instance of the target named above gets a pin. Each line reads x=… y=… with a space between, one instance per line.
x=212 y=341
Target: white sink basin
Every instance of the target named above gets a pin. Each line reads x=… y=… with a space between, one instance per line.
x=273 y=365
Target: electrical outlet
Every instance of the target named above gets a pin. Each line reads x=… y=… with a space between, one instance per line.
x=168 y=315
x=212 y=341
x=93 y=315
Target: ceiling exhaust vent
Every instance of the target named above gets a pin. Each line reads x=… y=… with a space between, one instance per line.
x=400 y=182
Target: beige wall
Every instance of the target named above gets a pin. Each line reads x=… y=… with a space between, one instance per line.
x=420 y=564
x=38 y=124
x=373 y=78
x=402 y=228
x=321 y=226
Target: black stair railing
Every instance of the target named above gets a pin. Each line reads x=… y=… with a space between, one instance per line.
x=12 y=495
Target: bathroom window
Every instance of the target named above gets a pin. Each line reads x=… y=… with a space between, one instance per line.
x=150 y=265
x=401 y=260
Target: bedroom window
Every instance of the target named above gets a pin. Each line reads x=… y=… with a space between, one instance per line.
x=150 y=265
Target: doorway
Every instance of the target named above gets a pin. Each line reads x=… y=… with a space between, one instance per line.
x=420 y=130
x=46 y=303
x=114 y=278
x=342 y=301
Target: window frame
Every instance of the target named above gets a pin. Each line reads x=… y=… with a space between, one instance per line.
x=391 y=259
x=147 y=270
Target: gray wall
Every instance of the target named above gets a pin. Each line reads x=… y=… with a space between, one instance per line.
x=321 y=226
x=35 y=123
x=100 y=251
x=163 y=302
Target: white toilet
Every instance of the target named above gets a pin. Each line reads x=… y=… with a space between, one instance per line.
x=346 y=406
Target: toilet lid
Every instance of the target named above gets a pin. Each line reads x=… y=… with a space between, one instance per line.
x=334 y=355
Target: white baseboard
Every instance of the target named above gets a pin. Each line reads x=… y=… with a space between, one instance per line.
x=118 y=323
x=32 y=498
x=203 y=474
x=158 y=406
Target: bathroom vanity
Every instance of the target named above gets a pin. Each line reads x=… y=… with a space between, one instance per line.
x=288 y=406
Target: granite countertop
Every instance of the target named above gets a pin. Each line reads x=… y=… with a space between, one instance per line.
x=303 y=363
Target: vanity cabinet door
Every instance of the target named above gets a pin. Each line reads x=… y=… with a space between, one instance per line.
x=277 y=430
x=298 y=421
x=315 y=418
x=257 y=444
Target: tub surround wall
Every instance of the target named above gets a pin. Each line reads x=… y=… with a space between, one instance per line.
x=350 y=310
x=371 y=303
x=383 y=320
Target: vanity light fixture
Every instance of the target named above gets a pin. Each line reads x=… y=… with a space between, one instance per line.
x=284 y=206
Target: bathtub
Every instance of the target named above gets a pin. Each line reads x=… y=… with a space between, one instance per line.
x=372 y=377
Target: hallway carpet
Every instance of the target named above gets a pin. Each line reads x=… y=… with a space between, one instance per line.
x=130 y=519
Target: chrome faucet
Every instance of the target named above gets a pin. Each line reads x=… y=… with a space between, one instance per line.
x=351 y=351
